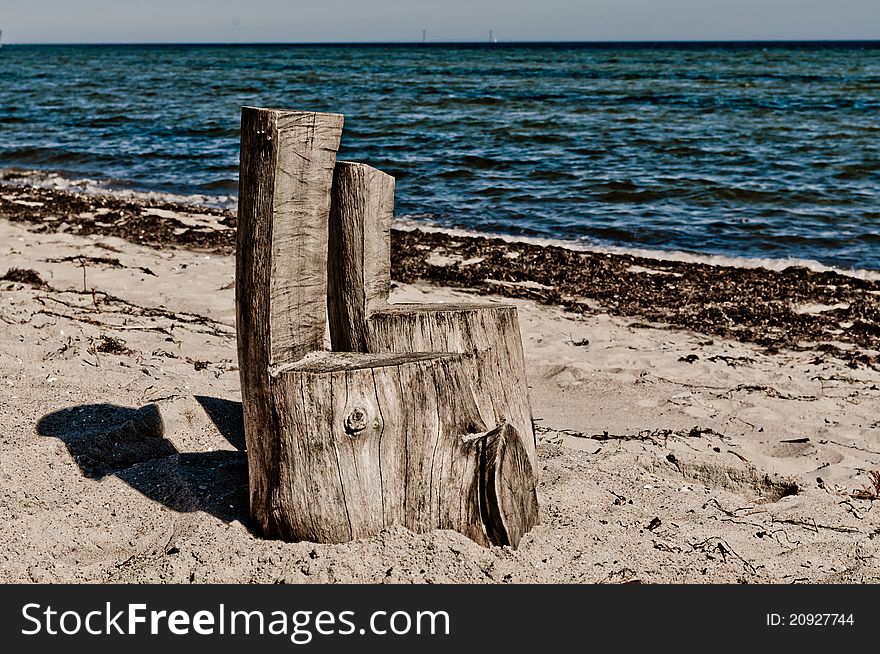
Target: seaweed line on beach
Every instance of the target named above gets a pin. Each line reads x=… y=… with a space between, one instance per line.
x=795 y=308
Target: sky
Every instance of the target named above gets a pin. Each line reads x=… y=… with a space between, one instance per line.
x=192 y=21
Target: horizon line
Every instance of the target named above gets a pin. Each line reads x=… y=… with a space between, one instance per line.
x=596 y=42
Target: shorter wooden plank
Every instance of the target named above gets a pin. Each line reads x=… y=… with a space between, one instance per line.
x=359 y=273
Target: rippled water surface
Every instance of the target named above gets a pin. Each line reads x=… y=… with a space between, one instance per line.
x=745 y=151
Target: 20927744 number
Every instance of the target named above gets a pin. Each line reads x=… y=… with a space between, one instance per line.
x=810 y=620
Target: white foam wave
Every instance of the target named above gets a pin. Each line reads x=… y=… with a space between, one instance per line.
x=48 y=179
x=778 y=264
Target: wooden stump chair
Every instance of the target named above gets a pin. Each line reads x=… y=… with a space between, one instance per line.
x=417 y=415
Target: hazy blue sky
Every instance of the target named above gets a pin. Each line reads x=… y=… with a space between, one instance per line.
x=76 y=21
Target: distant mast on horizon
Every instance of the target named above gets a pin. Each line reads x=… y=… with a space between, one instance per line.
x=424 y=36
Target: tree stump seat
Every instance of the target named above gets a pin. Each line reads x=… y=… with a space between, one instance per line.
x=418 y=415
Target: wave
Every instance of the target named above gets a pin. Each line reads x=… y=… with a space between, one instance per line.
x=53 y=155
x=57 y=182
x=223 y=184
x=113 y=119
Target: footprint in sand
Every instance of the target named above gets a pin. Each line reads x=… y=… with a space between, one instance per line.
x=791 y=448
x=691 y=405
x=803 y=447
x=735 y=475
x=565 y=375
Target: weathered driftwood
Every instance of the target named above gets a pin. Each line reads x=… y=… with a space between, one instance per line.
x=361 y=320
x=287 y=161
x=344 y=444
x=359 y=276
x=490 y=333
x=392 y=439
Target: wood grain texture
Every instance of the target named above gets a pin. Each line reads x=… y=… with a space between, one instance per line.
x=305 y=158
x=488 y=332
x=363 y=446
x=402 y=429
x=361 y=320
x=287 y=160
x=359 y=274
x=511 y=506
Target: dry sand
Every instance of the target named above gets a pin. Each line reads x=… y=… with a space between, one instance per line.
x=665 y=455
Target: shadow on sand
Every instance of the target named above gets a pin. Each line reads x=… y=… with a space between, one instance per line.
x=106 y=439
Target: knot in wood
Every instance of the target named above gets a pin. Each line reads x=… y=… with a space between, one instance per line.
x=356 y=420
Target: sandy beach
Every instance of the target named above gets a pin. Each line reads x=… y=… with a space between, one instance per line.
x=696 y=423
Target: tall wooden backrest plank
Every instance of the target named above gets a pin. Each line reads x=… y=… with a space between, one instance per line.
x=287 y=161
x=359 y=274
x=287 y=166
x=307 y=145
x=256 y=184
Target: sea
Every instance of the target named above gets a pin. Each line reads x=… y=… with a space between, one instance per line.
x=730 y=152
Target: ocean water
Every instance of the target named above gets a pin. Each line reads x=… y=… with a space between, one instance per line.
x=753 y=150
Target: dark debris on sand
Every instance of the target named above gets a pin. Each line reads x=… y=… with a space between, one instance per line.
x=129 y=219
x=102 y=262
x=754 y=305
x=112 y=345
x=24 y=276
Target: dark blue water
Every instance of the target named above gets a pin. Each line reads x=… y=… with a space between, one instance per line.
x=753 y=151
